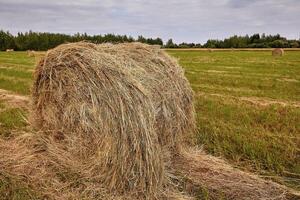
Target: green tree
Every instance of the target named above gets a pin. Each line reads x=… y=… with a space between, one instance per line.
x=6 y=41
x=170 y=44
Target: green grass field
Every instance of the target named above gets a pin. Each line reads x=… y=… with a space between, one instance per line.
x=248 y=108
x=247 y=103
x=16 y=71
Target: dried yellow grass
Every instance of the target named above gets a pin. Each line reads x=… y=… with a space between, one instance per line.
x=118 y=109
x=53 y=172
x=44 y=165
x=222 y=181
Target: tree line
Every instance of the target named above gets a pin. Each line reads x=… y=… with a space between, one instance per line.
x=43 y=41
x=254 y=41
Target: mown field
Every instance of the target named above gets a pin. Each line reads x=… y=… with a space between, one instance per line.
x=247 y=104
x=248 y=108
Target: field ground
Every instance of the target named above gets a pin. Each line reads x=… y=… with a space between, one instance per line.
x=248 y=108
x=247 y=104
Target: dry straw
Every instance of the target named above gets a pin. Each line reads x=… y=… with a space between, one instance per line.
x=278 y=52
x=118 y=109
x=221 y=181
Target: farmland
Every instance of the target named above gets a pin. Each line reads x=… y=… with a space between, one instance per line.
x=247 y=105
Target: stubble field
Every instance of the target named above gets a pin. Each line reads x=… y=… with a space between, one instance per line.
x=247 y=105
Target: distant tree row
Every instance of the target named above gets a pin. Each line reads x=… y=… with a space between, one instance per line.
x=44 y=41
x=254 y=41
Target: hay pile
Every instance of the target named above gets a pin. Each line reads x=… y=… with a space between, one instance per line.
x=222 y=181
x=118 y=109
x=278 y=52
x=53 y=172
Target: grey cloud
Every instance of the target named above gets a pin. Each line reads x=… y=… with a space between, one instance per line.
x=241 y=3
x=191 y=21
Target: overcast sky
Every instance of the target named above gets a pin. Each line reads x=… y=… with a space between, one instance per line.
x=182 y=20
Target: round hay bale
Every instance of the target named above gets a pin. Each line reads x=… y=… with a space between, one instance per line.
x=278 y=52
x=30 y=53
x=163 y=79
x=119 y=108
x=210 y=50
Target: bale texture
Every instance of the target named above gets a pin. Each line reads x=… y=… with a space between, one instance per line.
x=117 y=110
x=278 y=52
x=168 y=89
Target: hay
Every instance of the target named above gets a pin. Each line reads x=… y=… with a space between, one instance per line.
x=220 y=180
x=118 y=110
x=278 y=52
x=50 y=169
x=30 y=53
x=110 y=122
x=44 y=165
